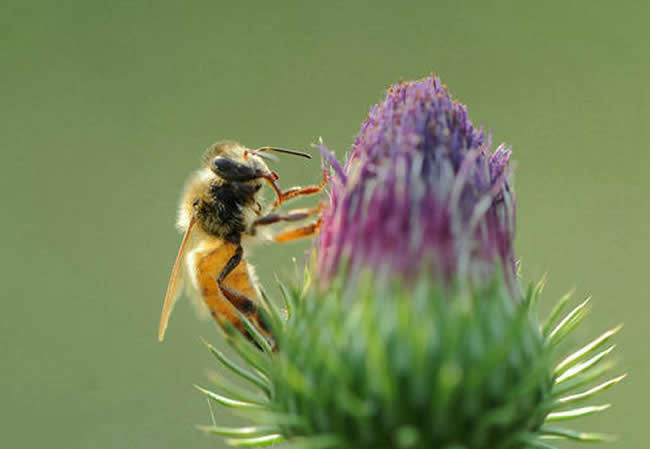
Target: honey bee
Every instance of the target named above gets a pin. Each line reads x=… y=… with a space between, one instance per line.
x=220 y=213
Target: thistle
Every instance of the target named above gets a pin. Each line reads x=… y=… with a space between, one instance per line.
x=410 y=329
x=421 y=187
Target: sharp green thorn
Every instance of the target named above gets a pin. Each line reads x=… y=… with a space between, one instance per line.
x=537 y=292
x=286 y=297
x=576 y=436
x=275 y=313
x=228 y=402
x=532 y=441
x=267 y=440
x=258 y=360
x=572 y=371
x=570 y=320
x=576 y=413
x=240 y=431
x=241 y=372
x=559 y=307
x=234 y=391
x=585 y=350
x=593 y=374
x=592 y=391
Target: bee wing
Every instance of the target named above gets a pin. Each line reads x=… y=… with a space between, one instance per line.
x=175 y=283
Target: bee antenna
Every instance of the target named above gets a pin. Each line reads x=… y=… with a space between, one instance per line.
x=283 y=150
x=268 y=157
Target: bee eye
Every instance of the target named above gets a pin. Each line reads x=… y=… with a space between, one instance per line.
x=195 y=203
x=220 y=164
x=234 y=171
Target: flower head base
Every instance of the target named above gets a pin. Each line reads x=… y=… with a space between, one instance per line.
x=357 y=368
x=421 y=188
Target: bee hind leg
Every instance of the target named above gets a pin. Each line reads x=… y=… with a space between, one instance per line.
x=241 y=302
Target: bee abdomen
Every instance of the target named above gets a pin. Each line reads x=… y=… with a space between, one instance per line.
x=208 y=265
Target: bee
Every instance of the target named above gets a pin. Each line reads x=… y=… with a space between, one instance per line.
x=220 y=213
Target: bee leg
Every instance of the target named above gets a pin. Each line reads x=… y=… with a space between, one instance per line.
x=294 y=192
x=241 y=302
x=292 y=215
x=298 y=233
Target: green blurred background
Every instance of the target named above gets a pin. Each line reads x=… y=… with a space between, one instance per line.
x=107 y=107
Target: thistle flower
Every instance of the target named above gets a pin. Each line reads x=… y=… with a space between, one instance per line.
x=410 y=330
x=421 y=187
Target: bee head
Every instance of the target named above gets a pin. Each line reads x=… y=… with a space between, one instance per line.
x=235 y=163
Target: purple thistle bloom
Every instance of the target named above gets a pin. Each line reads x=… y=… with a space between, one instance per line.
x=420 y=190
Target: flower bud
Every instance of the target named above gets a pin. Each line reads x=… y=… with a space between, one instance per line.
x=421 y=190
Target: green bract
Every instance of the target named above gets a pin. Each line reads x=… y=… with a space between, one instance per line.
x=397 y=366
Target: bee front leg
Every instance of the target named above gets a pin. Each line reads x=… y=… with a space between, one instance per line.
x=292 y=215
x=299 y=233
x=241 y=302
x=294 y=192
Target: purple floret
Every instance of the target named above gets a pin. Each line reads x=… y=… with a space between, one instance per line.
x=421 y=190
